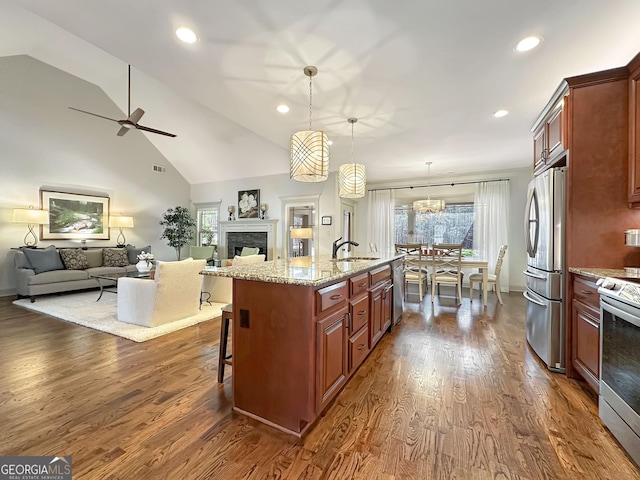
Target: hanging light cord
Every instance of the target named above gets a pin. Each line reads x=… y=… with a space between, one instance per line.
x=310 y=96
x=354 y=169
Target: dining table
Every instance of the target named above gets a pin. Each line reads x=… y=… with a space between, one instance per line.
x=465 y=262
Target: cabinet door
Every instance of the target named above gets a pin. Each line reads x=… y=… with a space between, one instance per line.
x=555 y=134
x=332 y=358
x=586 y=342
x=387 y=306
x=359 y=311
x=634 y=137
x=375 y=316
x=358 y=348
x=539 y=148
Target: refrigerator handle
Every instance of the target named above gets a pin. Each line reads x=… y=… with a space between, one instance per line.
x=532 y=200
x=533 y=300
x=533 y=275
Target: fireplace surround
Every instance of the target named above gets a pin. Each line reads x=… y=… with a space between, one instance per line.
x=247 y=233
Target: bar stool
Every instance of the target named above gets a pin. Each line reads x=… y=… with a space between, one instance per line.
x=223 y=358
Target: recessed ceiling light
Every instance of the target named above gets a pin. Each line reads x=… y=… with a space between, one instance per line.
x=528 y=43
x=329 y=142
x=282 y=108
x=186 y=35
x=501 y=113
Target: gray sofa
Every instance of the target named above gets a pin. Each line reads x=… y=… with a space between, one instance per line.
x=31 y=281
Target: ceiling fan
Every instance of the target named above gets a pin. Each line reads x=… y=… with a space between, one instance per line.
x=132 y=118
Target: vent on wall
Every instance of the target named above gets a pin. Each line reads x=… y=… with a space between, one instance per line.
x=159 y=169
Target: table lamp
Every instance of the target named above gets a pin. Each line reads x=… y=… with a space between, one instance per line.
x=31 y=216
x=120 y=221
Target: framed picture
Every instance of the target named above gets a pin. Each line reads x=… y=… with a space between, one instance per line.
x=248 y=203
x=326 y=220
x=75 y=216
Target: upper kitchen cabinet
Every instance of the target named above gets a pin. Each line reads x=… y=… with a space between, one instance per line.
x=634 y=132
x=550 y=133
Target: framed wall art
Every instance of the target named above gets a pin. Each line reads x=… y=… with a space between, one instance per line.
x=326 y=220
x=248 y=203
x=75 y=216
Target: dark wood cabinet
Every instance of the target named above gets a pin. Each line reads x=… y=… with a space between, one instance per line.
x=375 y=325
x=380 y=303
x=585 y=319
x=549 y=137
x=634 y=133
x=358 y=348
x=332 y=358
x=387 y=305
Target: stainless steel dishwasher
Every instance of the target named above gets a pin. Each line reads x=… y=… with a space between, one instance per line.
x=398 y=291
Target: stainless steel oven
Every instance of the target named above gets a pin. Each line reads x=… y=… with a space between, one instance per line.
x=619 y=401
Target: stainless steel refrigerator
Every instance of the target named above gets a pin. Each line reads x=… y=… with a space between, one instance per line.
x=544 y=238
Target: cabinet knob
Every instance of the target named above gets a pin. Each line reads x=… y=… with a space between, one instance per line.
x=335 y=297
x=361 y=346
x=362 y=312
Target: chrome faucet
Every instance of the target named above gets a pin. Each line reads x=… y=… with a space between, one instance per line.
x=336 y=246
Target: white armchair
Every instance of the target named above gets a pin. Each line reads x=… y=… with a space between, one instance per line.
x=173 y=294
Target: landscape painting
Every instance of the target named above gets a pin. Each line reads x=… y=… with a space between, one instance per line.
x=248 y=203
x=75 y=216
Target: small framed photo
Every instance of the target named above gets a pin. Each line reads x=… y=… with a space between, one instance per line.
x=326 y=220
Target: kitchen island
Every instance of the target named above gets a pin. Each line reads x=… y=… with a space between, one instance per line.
x=301 y=328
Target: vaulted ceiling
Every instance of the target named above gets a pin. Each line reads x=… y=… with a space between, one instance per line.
x=423 y=77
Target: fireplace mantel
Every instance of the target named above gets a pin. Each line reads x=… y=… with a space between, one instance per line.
x=268 y=226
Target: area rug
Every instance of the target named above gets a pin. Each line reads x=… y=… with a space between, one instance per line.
x=82 y=309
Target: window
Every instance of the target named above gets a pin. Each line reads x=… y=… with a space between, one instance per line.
x=453 y=225
x=207 y=218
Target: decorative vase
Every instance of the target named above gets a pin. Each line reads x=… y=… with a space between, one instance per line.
x=144 y=266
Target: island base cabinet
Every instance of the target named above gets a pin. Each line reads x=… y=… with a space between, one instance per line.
x=273 y=370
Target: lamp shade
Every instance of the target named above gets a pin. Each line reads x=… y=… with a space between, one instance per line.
x=120 y=221
x=309 y=156
x=428 y=206
x=352 y=180
x=305 y=232
x=30 y=215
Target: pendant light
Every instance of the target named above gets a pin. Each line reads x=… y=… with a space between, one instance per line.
x=428 y=205
x=352 y=177
x=309 y=149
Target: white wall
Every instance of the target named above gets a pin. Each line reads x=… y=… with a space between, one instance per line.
x=43 y=143
x=518 y=181
x=272 y=189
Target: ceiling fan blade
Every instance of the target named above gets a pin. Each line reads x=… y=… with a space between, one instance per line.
x=153 y=130
x=94 y=114
x=122 y=131
x=136 y=115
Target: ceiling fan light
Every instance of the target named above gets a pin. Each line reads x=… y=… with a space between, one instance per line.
x=309 y=156
x=352 y=180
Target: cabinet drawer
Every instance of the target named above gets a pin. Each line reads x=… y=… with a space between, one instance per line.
x=380 y=274
x=358 y=348
x=358 y=284
x=359 y=314
x=331 y=298
x=586 y=290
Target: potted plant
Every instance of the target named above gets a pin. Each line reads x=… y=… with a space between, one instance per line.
x=179 y=226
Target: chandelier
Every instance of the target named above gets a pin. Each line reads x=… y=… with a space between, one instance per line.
x=428 y=205
x=352 y=177
x=309 y=150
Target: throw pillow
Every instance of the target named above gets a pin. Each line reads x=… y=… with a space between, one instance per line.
x=249 y=251
x=74 y=259
x=133 y=252
x=247 y=259
x=44 y=260
x=115 y=257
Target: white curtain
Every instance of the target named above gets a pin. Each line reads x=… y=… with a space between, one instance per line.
x=490 y=223
x=382 y=223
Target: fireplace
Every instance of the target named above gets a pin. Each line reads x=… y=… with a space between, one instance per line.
x=247 y=233
x=236 y=241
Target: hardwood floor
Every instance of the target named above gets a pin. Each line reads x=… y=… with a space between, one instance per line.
x=451 y=393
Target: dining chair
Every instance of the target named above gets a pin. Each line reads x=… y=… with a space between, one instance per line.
x=492 y=278
x=415 y=265
x=446 y=268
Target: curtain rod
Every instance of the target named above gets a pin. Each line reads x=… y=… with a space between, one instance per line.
x=438 y=185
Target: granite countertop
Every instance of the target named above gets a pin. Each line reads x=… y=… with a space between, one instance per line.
x=597 y=273
x=305 y=271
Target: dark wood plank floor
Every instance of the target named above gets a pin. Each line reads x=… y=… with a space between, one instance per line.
x=452 y=393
